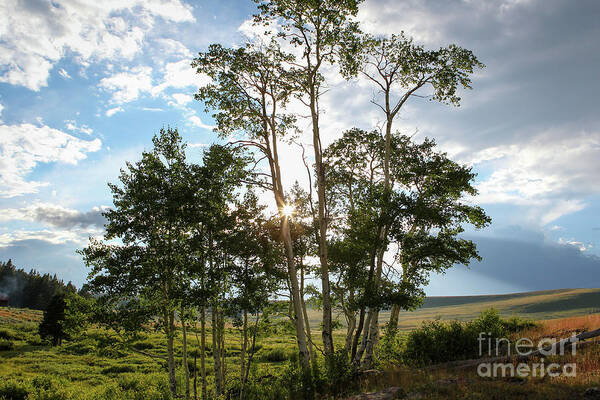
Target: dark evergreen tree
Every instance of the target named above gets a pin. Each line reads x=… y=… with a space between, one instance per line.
x=29 y=289
x=51 y=327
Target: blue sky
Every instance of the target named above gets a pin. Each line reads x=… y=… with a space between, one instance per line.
x=84 y=86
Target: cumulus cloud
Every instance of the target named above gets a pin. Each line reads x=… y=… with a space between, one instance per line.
x=130 y=84
x=126 y=86
x=435 y=22
x=180 y=74
x=170 y=47
x=112 y=111
x=55 y=215
x=24 y=146
x=64 y=73
x=552 y=171
x=36 y=35
x=196 y=121
x=54 y=237
x=72 y=126
x=181 y=99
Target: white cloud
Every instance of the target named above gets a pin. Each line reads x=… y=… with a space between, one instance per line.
x=579 y=245
x=130 y=84
x=182 y=99
x=54 y=237
x=72 y=126
x=197 y=145
x=127 y=86
x=36 y=35
x=429 y=22
x=24 y=146
x=55 y=215
x=196 y=121
x=552 y=172
x=171 y=47
x=180 y=74
x=64 y=73
x=112 y=111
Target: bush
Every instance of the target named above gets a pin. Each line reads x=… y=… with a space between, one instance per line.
x=46 y=388
x=6 y=345
x=141 y=387
x=7 y=334
x=390 y=346
x=339 y=374
x=13 y=390
x=79 y=348
x=275 y=355
x=35 y=340
x=118 y=369
x=438 y=342
x=518 y=324
x=143 y=345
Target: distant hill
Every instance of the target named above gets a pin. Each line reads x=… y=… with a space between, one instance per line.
x=547 y=304
x=541 y=305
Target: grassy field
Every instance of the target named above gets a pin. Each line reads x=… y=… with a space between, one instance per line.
x=97 y=366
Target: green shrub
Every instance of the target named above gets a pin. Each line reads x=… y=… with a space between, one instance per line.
x=118 y=369
x=143 y=345
x=6 y=345
x=390 y=346
x=13 y=390
x=274 y=355
x=79 y=348
x=46 y=388
x=35 y=340
x=437 y=342
x=142 y=387
x=517 y=324
x=7 y=334
x=339 y=374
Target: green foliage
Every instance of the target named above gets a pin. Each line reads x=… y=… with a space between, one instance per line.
x=127 y=387
x=67 y=315
x=13 y=390
x=7 y=334
x=145 y=345
x=276 y=354
x=118 y=369
x=438 y=342
x=424 y=215
x=51 y=327
x=517 y=324
x=339 y=374
x=80 y=347
x=390 y=347
x=6 y=345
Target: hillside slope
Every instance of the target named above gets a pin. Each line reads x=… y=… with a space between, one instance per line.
x=542 y=305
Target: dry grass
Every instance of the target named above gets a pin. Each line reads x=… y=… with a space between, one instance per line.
x=9 y=315
x=573 y=324
x=464 y=383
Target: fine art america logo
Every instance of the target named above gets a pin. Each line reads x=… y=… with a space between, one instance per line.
x=524 y=348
